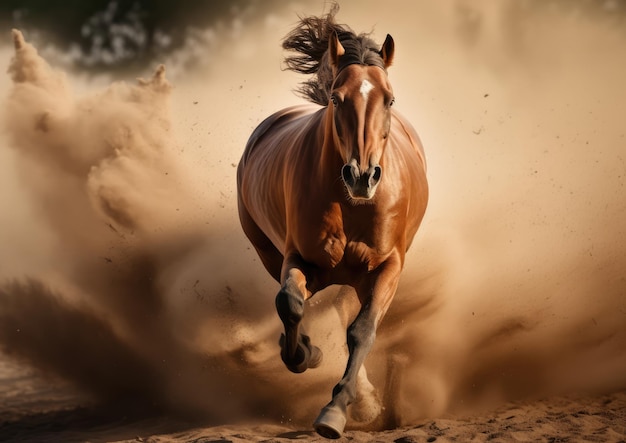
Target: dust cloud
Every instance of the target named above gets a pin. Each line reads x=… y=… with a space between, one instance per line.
x=123 y=268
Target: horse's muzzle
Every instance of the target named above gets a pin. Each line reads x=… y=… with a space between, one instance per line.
x=361 y=186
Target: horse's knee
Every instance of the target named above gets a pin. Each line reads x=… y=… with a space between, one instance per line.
x=290 y=305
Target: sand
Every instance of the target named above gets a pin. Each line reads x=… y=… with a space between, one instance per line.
x=595 y=419
x=127 y=285
x=558 y=419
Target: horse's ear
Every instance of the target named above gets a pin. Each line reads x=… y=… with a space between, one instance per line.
x=335 y=50
x=386 y=52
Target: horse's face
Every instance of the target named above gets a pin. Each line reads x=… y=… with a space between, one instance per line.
x=360 y=102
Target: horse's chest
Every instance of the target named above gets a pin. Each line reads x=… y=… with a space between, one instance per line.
x=335 y=243
x=327 y=243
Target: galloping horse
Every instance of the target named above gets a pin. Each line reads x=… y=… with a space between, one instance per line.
x=334 y=194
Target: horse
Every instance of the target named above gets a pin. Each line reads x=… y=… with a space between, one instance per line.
x=333 y=193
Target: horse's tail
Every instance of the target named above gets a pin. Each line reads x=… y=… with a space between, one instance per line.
x=310 y=41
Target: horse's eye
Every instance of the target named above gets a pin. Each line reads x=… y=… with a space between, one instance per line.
x=393 y=100
x=333 y=100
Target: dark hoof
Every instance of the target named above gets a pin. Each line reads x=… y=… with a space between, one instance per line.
x=307 y=356
x=330 y=423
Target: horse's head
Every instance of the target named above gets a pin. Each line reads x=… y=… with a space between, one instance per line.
x=360 y=102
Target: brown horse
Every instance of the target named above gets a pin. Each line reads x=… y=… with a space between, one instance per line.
x=334 y=195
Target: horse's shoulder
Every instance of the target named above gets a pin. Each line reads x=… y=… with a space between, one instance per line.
x=280 y=118
x=272 y=125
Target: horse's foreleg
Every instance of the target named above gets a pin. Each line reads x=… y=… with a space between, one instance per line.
x=297 y=352
x=375 y=300
x=361 y=334
x=366 y=406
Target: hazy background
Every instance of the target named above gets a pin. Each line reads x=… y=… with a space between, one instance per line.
x=124 y=275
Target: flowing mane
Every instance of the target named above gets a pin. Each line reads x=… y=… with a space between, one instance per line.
x=310 y=42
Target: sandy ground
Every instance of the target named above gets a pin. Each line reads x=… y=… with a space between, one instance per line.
x=127 y=285
x=560 y=419
x=593 y=419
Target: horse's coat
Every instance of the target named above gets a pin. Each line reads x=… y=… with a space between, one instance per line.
x=334 y=195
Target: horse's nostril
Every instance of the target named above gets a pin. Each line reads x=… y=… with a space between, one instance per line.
x=376 y=175
x=348 y=174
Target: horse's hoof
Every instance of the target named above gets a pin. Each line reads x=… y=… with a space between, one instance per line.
x=330 y=423
x=307 y=356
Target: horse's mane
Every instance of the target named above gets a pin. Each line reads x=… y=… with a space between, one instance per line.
x=310 y=42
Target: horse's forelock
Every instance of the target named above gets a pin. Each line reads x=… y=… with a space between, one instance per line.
x=360 y=50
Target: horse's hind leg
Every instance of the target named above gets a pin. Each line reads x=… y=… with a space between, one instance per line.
x=367 y=406
x=297 y=352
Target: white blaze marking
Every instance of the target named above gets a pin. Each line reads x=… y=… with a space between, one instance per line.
x=365 y=89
